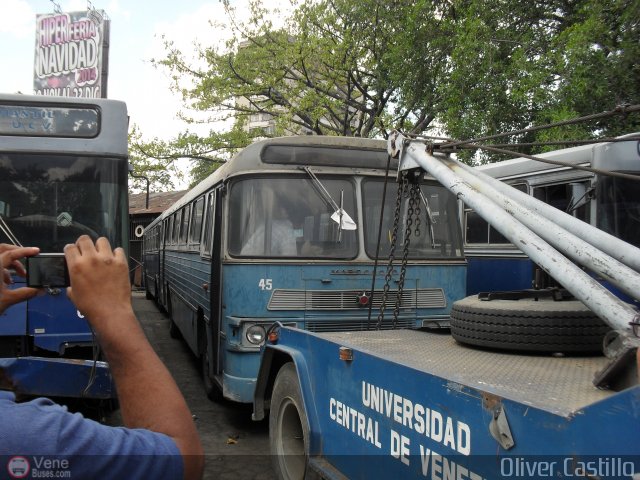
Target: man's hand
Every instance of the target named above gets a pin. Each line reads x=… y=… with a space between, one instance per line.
x=100 y=285
x=9 y=257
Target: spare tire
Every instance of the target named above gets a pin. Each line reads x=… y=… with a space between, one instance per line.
x=527 y=325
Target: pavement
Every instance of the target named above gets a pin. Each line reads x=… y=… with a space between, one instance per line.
x=235 y=446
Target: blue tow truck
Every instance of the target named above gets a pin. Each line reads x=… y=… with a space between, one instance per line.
x=419 y=404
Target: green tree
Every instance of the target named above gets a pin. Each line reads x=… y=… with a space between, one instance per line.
x=519 y=64
x=336 y=68
x=463 y=68
x=151 y=160
x=595 y=65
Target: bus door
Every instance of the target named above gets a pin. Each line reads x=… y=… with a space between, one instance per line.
x=162 y=294
x=212 y=246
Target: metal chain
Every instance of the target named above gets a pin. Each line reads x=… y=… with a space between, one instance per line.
x=414 y=199
x=417 y=222
x=392 y=251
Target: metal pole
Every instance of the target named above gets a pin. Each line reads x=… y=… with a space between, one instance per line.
x=147 y=180
x=602 y=302
x=620 y=250
x=569 y=244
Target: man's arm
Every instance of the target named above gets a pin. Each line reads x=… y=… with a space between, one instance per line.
x=149 y=397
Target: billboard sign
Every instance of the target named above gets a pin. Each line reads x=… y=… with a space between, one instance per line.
x=71 y=58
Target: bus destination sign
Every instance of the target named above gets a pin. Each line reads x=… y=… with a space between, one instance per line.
x=48 y=121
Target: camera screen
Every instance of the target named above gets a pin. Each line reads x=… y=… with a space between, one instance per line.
x=47 y=271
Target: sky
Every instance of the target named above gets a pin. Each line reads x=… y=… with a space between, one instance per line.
x=137 y=27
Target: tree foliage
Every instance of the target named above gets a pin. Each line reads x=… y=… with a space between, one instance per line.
x=149 y=161
x=519 y=64
x=462 y=68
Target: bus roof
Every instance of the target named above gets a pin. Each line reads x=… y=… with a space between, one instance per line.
x=275 y=154
x=613 y=156
x=94 y=126
x=581 y=155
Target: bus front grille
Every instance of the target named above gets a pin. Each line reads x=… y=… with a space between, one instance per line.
x=312 y=300
x=353 y=325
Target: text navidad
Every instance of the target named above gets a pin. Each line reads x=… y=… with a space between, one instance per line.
x=423 y=420
x=68 y=56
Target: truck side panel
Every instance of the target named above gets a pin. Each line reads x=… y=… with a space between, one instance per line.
x=376 y=418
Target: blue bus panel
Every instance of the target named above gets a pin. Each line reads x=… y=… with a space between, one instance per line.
x=488 y=274
x=322 y=298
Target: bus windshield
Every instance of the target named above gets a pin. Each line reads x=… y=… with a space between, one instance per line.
x=619 y=208
x=291 y=217
x=50 y=200
x=439 y=227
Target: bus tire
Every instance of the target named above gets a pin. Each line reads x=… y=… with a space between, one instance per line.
x=174 y=331
x=288 y=427
x=526 y=325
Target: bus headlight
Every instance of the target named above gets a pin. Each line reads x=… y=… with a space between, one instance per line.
x=256 y=334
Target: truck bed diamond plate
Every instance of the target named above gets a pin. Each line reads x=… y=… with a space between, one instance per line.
x=561 y=385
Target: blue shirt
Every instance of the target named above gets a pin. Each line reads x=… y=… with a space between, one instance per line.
x=42 y=435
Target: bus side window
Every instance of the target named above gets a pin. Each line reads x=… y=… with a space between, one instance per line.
x=568 y=197
x=557 y=196
x=479 y=231
x=184 y=228
x=177 y=220
x=476 y=228
x=196 y=222
x=208 y=233
x=168 y=223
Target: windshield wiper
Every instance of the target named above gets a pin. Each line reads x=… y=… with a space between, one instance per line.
x=339 y=216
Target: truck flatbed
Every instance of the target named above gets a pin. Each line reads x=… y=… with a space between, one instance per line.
x=416 y=404
x=561 y=385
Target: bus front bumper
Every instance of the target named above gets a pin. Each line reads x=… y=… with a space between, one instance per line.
x=59 y=377
x=238 y=389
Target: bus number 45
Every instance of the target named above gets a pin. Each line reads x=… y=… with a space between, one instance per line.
x=265 y=284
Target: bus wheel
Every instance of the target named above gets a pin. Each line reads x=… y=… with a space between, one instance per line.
x=543 y=326
x=174 y=331
x=288 y=426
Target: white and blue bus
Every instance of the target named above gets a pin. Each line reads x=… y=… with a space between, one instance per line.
x=288 y=231
x=610 y=203
x=63 y=173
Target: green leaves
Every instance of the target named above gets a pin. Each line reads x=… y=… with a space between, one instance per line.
x=463 y=68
